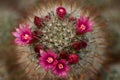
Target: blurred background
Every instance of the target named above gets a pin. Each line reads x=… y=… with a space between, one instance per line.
x=12 y=10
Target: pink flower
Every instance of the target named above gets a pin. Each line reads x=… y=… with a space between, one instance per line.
x=61 y=12
x=47 y=59
x=83 y=25
x=23 y=35
x=61 y=68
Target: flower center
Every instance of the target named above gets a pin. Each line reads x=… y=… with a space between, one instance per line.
x=26 y=37
x=82 y=27
x=60 y=66
x=50 y=59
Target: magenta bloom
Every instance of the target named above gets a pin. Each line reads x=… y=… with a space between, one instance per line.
x=23 y=35
x=83 y=25
x=61 y=12
x=47 y=59
x=61 y=68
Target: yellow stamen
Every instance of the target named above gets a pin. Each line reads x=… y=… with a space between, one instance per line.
x=82 y=27
x=60 y=66
x=26 y=36
x=49 y=59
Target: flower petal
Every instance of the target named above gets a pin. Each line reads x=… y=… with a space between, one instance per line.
x=16 y=34
x=19 y=42
x=64 y=74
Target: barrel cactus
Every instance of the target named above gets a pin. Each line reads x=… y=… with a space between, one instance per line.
x=61 y=39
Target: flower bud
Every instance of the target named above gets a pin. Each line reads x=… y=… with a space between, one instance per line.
x=73 y=58
x=61 y=12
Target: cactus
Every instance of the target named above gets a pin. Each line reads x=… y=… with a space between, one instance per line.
x=59 y=26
